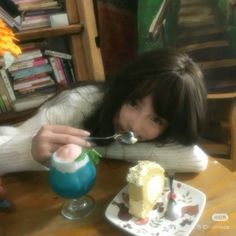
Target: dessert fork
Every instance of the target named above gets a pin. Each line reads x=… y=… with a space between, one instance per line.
x=173 y=210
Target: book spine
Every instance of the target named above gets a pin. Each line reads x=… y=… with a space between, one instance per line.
x=29 y=55
x=6 y=102
x=38 y=6
x=31 y=71
x=9 y=20
x=58 y=54
x=28 y=91
x=27 y=64
x=61 y=72
x=7 y=83
x=31 y=83
x=2 y=105
x=37 y=86
x=69 y=63
x=42 y=12
x=67 y=72
x=54 y=69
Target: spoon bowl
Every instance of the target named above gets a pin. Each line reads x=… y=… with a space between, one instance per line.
x=124 y=137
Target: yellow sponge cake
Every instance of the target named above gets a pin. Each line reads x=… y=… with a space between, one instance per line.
x=145 y=186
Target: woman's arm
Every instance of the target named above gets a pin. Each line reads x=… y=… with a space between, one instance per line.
x=15 y=155
x=68 y=109
x=171 y=156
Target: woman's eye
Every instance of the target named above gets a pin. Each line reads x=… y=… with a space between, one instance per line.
x=133 y=103
x=157 y=120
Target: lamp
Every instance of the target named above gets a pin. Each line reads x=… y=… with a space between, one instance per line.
x=8 y=49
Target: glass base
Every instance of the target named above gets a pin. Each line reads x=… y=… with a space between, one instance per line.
x=75 y=209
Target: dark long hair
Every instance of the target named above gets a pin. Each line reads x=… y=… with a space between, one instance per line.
x=177 y=88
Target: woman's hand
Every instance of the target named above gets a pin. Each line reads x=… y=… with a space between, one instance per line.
x=50 y=137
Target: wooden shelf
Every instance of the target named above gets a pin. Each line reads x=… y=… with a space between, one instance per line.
x=221 y=95
x=86 y=56
x=49 y=32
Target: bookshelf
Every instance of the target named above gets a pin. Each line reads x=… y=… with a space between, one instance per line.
x=81 y=33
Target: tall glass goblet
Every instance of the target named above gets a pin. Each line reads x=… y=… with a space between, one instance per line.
x=72 y=176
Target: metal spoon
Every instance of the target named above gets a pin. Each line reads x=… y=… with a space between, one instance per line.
x=126 y=137
x=173 y=210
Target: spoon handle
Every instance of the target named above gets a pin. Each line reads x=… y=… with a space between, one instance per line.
x=171 y=178
x=99 y=138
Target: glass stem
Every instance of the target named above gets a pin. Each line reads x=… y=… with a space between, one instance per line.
x=77 y=204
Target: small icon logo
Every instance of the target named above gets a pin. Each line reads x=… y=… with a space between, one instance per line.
x=220 y=217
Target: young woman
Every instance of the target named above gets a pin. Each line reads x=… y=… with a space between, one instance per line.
x=160 y=97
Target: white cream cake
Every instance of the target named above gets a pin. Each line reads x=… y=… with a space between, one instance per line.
x=145 y=186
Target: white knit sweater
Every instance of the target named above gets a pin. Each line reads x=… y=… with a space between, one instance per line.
x=71 y=108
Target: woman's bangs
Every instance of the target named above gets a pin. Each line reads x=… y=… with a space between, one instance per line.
x=164 y=100
x=141 y=90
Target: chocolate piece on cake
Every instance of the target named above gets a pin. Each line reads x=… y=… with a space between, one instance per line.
x=145 y=186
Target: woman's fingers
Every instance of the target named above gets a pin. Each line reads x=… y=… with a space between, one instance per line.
x=50 y=137
x=68 y=138
x=62 y=129
x=58 y=134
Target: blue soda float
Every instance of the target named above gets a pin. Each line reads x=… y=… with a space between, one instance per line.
x=72 y=175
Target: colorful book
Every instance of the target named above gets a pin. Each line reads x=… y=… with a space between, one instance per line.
x=37 y=6
x=58 y=54
x=41 y=12
x=29 y=55
x=30 y=78
x=5 y=95
x=31 y=71
x=6 y=102
x=30 y=91
x=38 y=61
x=34 y=83
x=9 y=20
x=70 y=65
x=6 y=79
x=2 y=105
x=54 y=69
x=61 y=72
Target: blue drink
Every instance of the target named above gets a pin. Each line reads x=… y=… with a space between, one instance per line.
x=73 y=184
x=73 y=179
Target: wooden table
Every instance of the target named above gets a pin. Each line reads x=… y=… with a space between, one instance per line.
x=37 y=208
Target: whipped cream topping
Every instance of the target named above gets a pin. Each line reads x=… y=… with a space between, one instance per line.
x=137 y=173
x=64 y=159
x=66 y=166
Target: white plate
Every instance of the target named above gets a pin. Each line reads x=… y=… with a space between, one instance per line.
x=191 y=201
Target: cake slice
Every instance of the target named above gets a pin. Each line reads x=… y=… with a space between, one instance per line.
x=145 y=186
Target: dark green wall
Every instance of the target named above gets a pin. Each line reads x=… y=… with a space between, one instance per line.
x=147 y=10
x=227 y=19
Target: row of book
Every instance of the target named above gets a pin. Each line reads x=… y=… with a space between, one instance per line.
x=34 y=76
x=32 y=14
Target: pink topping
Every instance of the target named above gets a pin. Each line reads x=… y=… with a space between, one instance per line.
x=68 y=152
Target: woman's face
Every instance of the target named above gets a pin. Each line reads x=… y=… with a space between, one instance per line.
x=139 y=117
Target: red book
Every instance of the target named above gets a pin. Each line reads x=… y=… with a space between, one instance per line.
x=38 y=61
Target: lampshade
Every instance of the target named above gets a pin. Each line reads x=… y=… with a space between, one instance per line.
x=8 y=49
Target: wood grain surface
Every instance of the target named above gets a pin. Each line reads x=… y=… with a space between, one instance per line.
x=36 y=209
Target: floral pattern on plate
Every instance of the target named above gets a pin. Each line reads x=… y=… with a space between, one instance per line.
x=190 y=200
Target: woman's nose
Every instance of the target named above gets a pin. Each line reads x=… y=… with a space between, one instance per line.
x=136 y=126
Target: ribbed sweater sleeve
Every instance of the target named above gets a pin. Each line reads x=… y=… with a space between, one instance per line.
x=171 y=156
x=69 y=108
x=16 y=156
